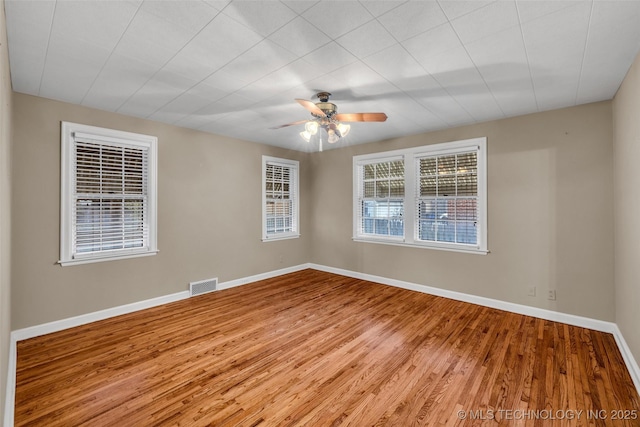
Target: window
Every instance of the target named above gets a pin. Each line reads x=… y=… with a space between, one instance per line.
x=108 y=206
x=447 y=198
x=432 y=196
x=381 y=197
x=279 y=199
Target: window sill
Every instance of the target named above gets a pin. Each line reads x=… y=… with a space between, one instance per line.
x=283 y=237
x=400 y=242
x=89 y=260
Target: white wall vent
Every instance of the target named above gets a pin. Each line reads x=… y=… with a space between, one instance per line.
x=203 y=286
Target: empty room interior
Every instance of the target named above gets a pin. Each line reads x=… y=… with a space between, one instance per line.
x=319 y=213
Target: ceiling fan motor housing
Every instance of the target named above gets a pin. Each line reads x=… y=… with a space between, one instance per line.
x=329 y=108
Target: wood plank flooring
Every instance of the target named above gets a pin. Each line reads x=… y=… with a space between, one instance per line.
x=317 y=349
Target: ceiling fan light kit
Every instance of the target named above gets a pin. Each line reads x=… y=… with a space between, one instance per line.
x=325 y=116
x=311 y=127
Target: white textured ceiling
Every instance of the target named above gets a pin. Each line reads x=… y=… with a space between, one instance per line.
x=234 y=67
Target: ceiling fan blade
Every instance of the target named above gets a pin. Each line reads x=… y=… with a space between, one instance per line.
x=361 y=117
x=311 y=107
x=299 y=122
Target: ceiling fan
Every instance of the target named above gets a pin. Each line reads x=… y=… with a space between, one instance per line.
x=325 y=116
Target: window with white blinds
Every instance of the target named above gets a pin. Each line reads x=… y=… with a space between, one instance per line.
x=280 y=205
x=432 y=196
x=381 y=198
x=108 y=194
x=447 y=198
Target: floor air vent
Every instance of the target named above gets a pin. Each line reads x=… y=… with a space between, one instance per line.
x=203 y=286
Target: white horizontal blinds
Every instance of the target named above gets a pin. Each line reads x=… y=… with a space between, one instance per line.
x=447 y=198
x=280 y=199
x=110 y=192
x=381 y=198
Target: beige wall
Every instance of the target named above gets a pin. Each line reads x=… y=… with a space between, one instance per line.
x=626 y=117
x=550 y=214
x=5 y=208
x=209 y=216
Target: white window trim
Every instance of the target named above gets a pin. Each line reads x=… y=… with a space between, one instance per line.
x=410 y=155
x=68 y=130
x=295 y=167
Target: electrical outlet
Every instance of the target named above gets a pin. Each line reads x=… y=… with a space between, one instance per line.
x=552 y=294
x=532 y=291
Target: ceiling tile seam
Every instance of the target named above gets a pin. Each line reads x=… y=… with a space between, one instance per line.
x=443 y=119
x=400 y=89
x=428 y=29
x=216 y=70
x=235 y=91
x=425 y=70
x=169 y=60
x=565 y=4
x=464 y=14
x=215 y=8
x=438 y=82
x=239 y=89
x=331 y=40
x=380 y=75
x=46 y=55
x=526 y=54
x=299 y=14
x=377 y=18
x=584 y=54
x=112 y=51
x=201 y=127
x=198 y=82
x=226 y=96
x=474 y=63
x=263 y=38
x=356 y=28
x=249 y=28
x=400 y=3
x=288 y=50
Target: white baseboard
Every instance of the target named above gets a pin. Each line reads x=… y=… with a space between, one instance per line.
x=83 y=319
x=60 y=325
x=569 y=319
x=585 y=322
x=629 y=360
x=9 y=401
x=262 y=276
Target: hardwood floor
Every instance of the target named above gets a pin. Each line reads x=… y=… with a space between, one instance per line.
x=318 y=349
